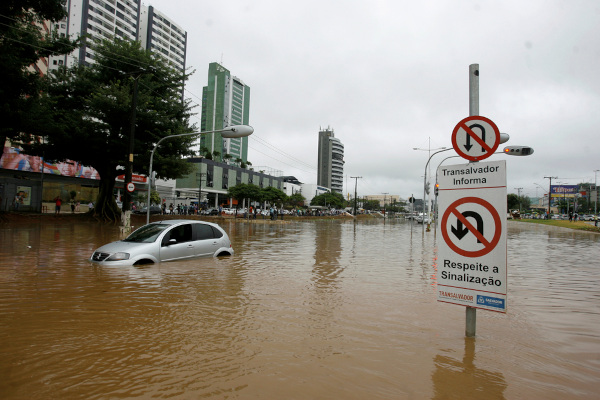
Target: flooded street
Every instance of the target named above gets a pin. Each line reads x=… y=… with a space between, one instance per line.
x=313 y=309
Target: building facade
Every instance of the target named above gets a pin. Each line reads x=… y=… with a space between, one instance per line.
x=225 y=102
x=330 y=168
x=126 y=19
x=162 y=36
x=100 y=19
x=211 y=180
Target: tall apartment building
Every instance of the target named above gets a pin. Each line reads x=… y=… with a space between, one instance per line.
x=330 y=167
x=162 y=36
x=127 y=19
x=225 y=102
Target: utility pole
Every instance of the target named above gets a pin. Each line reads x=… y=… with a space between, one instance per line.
x=129 y=171
x=384 y=198
x=519 y=191
x=550 y=192
x=356 y=178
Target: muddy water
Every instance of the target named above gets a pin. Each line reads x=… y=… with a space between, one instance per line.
x=333 y=310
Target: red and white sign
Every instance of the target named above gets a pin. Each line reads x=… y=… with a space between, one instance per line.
x=134 y=178
x=475 y=138
x=472 y=255
x=460 y=223
x=130 y=187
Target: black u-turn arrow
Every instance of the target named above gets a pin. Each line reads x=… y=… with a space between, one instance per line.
x=468 y=145
x=460 y=231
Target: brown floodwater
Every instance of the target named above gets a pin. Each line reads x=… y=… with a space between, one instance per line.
x=303 y=310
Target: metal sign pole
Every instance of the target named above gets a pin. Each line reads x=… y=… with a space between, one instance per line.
x=471 y=312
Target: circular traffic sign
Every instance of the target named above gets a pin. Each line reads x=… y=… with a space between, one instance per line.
x=464 y=226
x=130 y=187
x=475 y=138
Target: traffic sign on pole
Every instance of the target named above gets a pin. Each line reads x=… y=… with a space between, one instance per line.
x=472 y=255
x=475 y=138
x=130 y=187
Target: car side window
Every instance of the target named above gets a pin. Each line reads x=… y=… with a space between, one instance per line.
x=217 y=233
x=203 y=232
x=181 y=234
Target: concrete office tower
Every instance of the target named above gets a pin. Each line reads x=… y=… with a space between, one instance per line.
x=225 y=102
x=330 y=169
x=99 y=19
x=163 y=36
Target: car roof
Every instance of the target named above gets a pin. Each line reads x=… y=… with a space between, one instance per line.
x=182 y=221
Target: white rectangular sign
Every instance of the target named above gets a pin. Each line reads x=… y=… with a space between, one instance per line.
x=472 y=225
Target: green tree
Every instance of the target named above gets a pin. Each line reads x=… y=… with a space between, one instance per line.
x=329 y=199
x=371 y=205
x=89 y=117
x=22 y=43
x=296 y=200
x=273 y=195
x=245 y=191
x=513 y=202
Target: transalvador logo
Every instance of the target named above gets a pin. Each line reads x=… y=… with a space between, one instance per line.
x=490 y=301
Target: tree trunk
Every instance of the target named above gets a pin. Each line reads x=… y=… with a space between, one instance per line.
x=106 y=208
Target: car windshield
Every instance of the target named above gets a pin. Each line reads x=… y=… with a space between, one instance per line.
x=146 y=234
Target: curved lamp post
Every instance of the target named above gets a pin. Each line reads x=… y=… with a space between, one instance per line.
x=234 y=131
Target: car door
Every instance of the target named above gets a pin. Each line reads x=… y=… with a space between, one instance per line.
x=207 y=243
x=178 y=243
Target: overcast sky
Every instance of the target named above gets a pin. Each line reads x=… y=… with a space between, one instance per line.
x=390 y=76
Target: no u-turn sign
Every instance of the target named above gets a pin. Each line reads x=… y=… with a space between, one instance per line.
x=472 y=224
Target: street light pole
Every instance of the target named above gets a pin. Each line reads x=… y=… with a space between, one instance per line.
x=595 y=191
x=425 y=182
x=429 y=150
x=234 y=131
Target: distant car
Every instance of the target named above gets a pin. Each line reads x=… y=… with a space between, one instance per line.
x=154 y=209
x=210 y=211
x=166 y=241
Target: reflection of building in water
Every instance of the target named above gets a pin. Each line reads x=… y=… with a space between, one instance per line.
x=454 y=379
x=328 y=247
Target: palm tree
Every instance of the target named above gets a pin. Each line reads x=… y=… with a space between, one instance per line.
x=205 y=152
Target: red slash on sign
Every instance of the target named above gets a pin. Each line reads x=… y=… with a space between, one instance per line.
x=462 y=220
x=475 y=130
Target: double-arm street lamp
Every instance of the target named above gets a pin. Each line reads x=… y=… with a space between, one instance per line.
x=235 y=131
x=429 y=150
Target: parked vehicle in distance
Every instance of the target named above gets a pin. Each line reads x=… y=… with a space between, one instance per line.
x=210 y=211
x=166 y=241
x=154 y=209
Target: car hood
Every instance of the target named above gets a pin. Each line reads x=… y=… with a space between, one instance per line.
x=132 y=248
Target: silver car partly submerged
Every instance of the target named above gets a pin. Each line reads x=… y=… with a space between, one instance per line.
x=165 y=241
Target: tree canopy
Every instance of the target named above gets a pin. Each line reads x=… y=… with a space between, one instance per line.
x=330 y=199
x=88 y=114
x=23 y=41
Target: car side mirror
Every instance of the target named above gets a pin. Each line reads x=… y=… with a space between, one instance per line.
x=172 y=241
